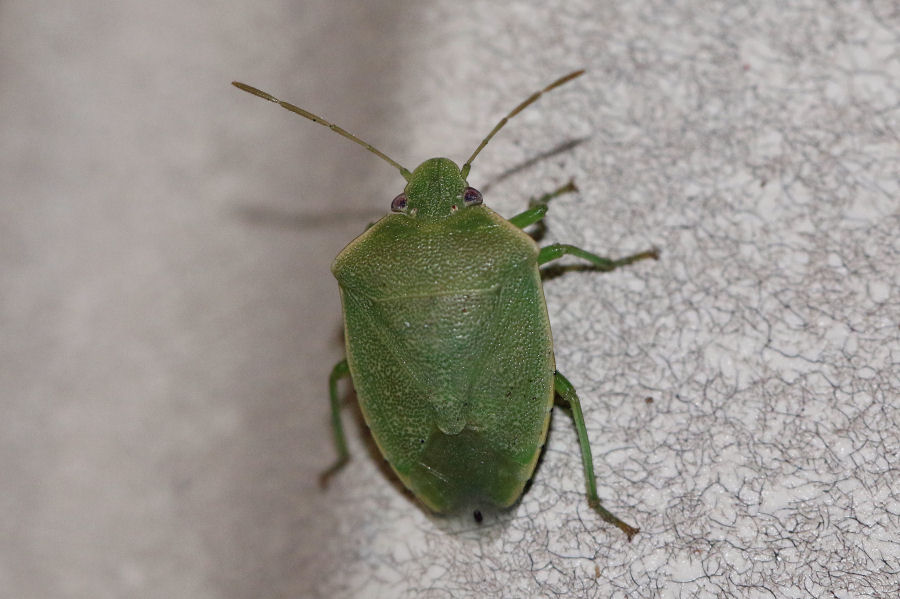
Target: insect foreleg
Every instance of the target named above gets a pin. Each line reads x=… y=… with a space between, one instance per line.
x=537 y=208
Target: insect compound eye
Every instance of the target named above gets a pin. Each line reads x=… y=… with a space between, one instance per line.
x=398 y=204
x=472 y=197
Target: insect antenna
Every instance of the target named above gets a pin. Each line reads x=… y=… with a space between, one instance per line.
x=317 y=119
x=464 y=171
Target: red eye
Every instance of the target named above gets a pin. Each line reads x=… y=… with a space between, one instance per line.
x=472 y=197
x=399 y=203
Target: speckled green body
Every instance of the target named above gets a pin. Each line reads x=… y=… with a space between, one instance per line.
x=448 y=340
x=449 y=344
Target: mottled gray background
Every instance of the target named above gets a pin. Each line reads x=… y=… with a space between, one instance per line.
x=168 y=318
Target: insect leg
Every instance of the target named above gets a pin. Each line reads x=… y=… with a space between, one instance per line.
x=339 y=371
x=566 y=391
x=537 y=208
x=558 y=250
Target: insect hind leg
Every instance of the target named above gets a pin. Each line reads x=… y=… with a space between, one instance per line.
x=566 y=392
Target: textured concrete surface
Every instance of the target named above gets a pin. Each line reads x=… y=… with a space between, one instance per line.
x=168 y=319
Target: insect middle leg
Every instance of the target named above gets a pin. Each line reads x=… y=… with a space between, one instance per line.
x=537 y=208
x=558 y=250
x=566 y=392
x=340 y=370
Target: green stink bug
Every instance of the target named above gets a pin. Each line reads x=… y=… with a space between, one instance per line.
x=448 y=340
